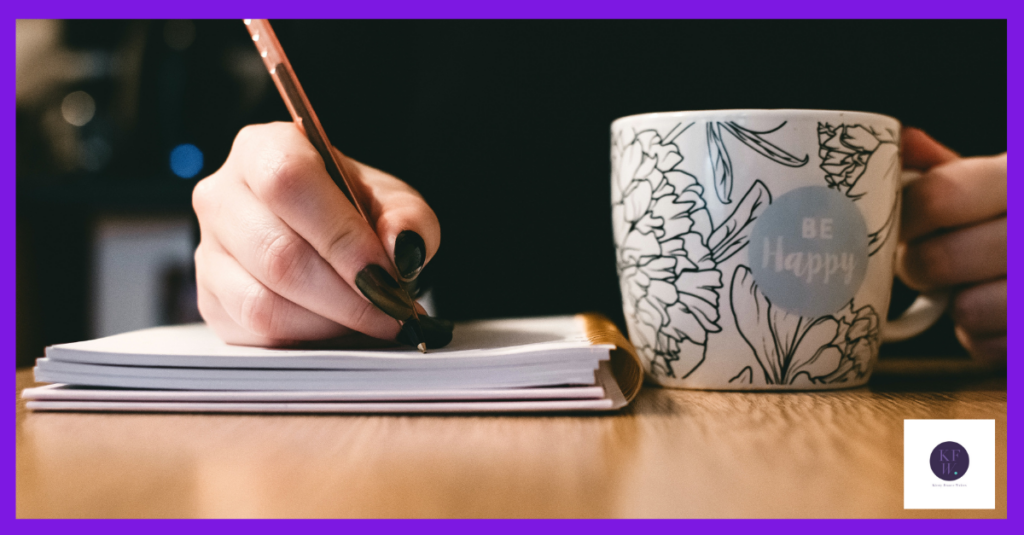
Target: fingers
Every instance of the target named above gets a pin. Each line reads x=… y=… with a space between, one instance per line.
x=225 y=327
x=954 y=233
x=922 y=152
x=980 y=310
x=953 y=194
x=971 y=254
x=990 y=349
x=232 y=299
x=407 y=226
x=293 y=258
x=277 y=257
x=288 y=176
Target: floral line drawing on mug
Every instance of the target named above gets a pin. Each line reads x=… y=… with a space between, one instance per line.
x=721 y=164
x=747 y=205
x=797 y=350
x=855 y=155
x=668 y=249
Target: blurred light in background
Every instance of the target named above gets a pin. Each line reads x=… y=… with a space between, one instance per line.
x=78 y=108
x=186 y=160
x=179 y=34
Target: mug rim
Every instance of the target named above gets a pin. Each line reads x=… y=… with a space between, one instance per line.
x=752 y=111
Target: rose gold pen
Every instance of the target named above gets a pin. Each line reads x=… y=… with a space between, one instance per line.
x=305 y=118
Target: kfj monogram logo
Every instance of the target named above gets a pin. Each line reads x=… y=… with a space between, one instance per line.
x=950 y=461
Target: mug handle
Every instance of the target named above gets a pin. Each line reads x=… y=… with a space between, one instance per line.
x=926 y=309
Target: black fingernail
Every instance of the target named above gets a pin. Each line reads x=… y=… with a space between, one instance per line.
x=411 y=333
x=436 y=331
x=410 y=253
x=383 y=291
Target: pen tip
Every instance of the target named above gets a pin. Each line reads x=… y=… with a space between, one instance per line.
x=422 y=347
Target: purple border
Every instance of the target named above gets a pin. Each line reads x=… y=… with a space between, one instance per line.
x=1015 y=192
x=526 y=9
x=463 y=9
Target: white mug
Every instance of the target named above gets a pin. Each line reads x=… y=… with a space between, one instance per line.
x=755 y=248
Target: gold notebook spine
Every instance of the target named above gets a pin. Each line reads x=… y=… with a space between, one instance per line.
x=625 y=363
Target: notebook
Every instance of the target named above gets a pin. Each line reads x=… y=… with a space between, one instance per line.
x=563 y=363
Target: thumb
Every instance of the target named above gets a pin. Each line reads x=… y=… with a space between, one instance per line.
x=922 y=152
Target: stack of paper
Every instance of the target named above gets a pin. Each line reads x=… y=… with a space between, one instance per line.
x=540 y=364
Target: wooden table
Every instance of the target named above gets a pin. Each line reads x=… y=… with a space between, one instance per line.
x=672 y=453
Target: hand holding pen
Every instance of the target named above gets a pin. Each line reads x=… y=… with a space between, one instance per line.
x=286 y=255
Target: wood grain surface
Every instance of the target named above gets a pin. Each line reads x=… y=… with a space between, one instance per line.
x=673 y=453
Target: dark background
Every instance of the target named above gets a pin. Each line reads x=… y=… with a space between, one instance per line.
x=503 y=126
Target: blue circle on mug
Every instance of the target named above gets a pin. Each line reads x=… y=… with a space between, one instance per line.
x=809 y=251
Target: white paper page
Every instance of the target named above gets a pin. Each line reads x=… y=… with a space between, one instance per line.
x=480 y=343
x=556 y=373
x=364 y=376
x=337 y=408
x=408 y=381
x=60 y=392
x=612 y=399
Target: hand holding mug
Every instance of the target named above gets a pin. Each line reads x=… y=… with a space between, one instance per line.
x=954 y=236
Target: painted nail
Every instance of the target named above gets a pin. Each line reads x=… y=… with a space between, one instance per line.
x=436 y=331
x=410 y=253
x=383 y=291
x=412 y=334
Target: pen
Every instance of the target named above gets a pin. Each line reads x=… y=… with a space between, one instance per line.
x=305 y=118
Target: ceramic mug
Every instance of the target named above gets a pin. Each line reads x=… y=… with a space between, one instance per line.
x=756 y=248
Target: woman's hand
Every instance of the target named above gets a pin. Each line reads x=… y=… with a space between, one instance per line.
x=954 y=236
x=285 y=257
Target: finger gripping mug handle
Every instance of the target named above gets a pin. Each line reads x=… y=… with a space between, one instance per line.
x=925 y=311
